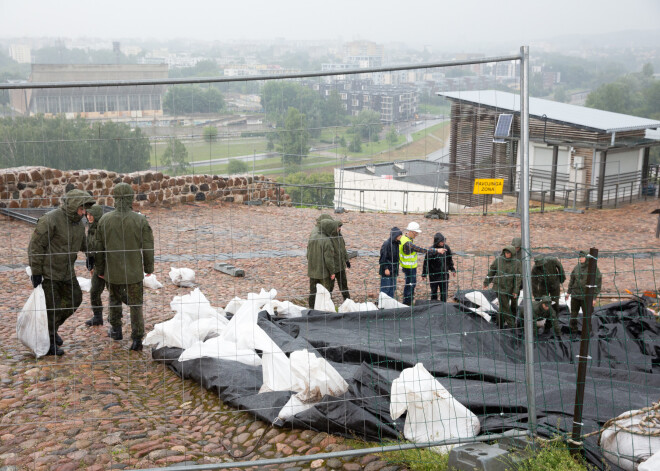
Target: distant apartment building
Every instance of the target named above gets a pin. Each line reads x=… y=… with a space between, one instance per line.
x=253 y=70
x=92 y=102
x=393 y=103
x=173 y=61
x=363 y=49
x=21 y=53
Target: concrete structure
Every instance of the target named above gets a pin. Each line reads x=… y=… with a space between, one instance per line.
x=604 y=155
x=392 y=187
x=95 y=102
x=21 y=53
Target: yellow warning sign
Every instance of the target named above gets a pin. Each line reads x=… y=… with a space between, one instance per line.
x=488 y=186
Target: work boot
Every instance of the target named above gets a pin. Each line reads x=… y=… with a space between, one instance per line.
x=115 y=333
x=55 y=350
x=97 y=319
x=136 y=345
x=58 y=340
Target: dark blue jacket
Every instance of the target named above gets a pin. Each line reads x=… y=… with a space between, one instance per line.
x=389 y=254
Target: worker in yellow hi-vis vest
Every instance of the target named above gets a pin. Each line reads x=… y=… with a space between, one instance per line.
x=408 y=260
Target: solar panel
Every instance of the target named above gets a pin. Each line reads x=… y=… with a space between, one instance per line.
x=503 y=128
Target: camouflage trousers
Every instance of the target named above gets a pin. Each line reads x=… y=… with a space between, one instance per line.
x=98 y=285
x=131 y=295
x=342 y=284
x=62 y=300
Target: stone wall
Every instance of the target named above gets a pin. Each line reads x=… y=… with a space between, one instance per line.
x=33 y=187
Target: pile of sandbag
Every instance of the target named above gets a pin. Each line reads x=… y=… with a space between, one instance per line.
x=195 y=320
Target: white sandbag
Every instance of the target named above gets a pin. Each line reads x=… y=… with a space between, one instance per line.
x=32 y=323
x=626 y=449
x=173 y=333
x=182 y=277
x=285 y=309
x=478 y=298
x=312 y=378
x=386 y=302
x=242 y=327
x=274 y=363
x=85 y=283
x=216 y=348
x=195 y=306
x=234 y=305
x=433 y=413
x=351 y=306
x=652 y=464
x=207 y=327
x=323 y=301
x=151 y=282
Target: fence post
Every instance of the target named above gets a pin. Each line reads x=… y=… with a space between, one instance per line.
x=543 y=201
x=575 y=443
x=277 y=190
x=361 y=201
x=616 y=194
x=632 y=188
x=587 y=197
x=566 y=193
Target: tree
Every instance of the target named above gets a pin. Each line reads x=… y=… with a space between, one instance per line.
x=333 y=113
x=71 y=144
x=187 y=99
x=210 y=134
x=611 y=97
x=356 y=144
x=311 y=196
x=294 y=138
x=236 y=166
x=561 y=94
x=175 y=157
x=368 y=125
x=647 y=70
x=392 y=136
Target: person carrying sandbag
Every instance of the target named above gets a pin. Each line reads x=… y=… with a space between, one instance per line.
x=53 y=250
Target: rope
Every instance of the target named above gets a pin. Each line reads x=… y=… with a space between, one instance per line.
x=648 y=426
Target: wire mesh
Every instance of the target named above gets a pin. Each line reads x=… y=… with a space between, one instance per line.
x=195 y=155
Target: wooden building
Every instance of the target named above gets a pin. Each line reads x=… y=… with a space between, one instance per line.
x=604 y=155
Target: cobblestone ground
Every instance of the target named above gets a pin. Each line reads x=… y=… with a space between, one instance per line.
x=103 y=407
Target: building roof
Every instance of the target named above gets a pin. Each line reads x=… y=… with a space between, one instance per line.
x=420 y=172
x=581 y=116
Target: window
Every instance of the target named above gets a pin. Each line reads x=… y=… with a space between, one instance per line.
x=112 y=102
x=53 y=104
x=123 y=103
x=88 y=102
x=100 y=103
x=77 y=106
x=134 y=102
x=41 y=104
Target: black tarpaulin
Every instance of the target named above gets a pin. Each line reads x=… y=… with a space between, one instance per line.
x=482 y=366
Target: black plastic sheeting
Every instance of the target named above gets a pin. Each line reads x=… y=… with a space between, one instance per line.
x=482 y=367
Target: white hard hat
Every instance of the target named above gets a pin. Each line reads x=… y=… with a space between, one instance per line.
x=413 y=226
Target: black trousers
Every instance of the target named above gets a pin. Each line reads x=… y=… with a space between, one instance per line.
x=441 y=286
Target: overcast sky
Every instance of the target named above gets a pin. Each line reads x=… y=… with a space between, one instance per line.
x=419 y=22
